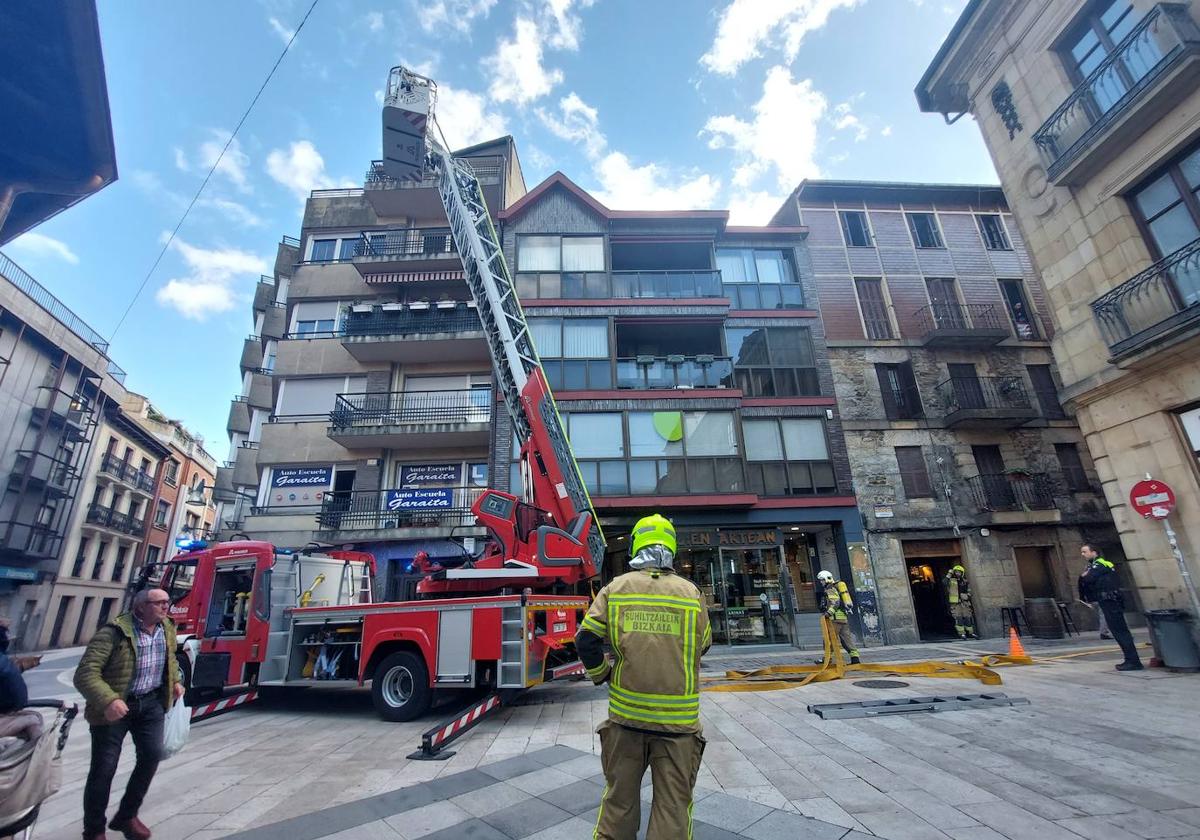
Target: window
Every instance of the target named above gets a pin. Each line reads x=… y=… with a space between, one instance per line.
x=924 y=229
x=1094 y=38
x=773 y=361
x=98 y=565
x=153 y=552
x=1019 y=310
x=560 y=253
x=854 y=228
x=788 y=457
x=172 y=472
x=901 y=398
x=80 y=558
x=596 y=435
x=1072 y=468
x=1169 y=209
x=322 y=250
x=758 y=278
x=873 y=305
x=991 y=228
x=348 y=247
x=1190 y=422
x=161 y=513
x=316 y=396
x=574 y=352
x=118 y=573
x=1046 y=391
x=315 y=317
x=913 y=474
x=943 y=303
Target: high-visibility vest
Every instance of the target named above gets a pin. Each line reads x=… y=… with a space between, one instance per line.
x=835 y=599
x=952 y=589
x=657 y=626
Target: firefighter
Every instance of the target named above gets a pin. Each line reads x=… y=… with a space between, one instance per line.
x=836 y=604
x=958 y=599
x=1100 y=584
x=657 y=626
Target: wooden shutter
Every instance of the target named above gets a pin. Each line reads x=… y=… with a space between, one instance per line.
x=913 y=472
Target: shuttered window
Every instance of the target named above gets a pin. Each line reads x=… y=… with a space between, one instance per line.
x=913 y=473
x=898 y=386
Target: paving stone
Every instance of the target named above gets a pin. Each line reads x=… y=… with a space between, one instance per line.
x=378 y=830
x=826 y=810
x=975 y=832
x=779 y=825
x=526 y=818
x=704 y=831
x=448 y=787
x=540 y=781
x=1146 y=823
x=1098 y=804
x=1191 y=816
x=427 y=819
x=576 y=797
x=1096 y=828
x=470 y=830
x=508 y=767
x=556 y=754
x=899 y=824
x=931 y=809
x=728 y=812
x=491 y=798
x=573 y=829
x=1016 y=823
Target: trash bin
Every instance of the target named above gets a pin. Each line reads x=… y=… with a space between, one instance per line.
x=1172 y=639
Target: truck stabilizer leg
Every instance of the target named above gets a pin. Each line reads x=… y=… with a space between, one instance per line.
x=435 y=741
x=222 y=705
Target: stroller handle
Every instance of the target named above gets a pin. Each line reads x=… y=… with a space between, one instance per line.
x=50 y=703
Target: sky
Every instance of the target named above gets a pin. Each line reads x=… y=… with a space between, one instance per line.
x=719 y=104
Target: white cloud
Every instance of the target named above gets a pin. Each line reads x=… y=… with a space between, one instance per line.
x=576 y=122
x=754 y=207
x=844 y=118
x=210 y=285
x=780 y=138
x=465 y=118
x=454 y=15
x=301 y=169
x=745 y=27
x=565 y=29
x=374 y=21
x=886 y=131
x=518 y=75
x=238 y=214
x=282 y=31
x=181 y=161
x=232 y=165
x=39 y=245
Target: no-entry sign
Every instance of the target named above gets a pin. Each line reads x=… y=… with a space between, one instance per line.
x=1152 y=499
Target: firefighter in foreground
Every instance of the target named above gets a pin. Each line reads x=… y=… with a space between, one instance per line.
x=657 y=627
x=836 y=604
x=958 y=599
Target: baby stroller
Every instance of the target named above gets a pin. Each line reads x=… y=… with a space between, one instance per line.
x=31 y=770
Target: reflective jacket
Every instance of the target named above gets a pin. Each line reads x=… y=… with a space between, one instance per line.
x=657 y=626
x=835 y=600
x=1100 y=582
x=957 y=589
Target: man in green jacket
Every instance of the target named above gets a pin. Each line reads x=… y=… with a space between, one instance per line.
x=129 y=678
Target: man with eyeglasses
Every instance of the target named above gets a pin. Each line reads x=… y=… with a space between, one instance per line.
x=129 y=678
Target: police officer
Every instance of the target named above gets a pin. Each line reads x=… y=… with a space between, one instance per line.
x=835 y=602
x=958 y=599
x=1100 y=584
x=657 y=626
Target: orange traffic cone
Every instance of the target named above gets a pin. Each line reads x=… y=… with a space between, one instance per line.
x=1015 y=648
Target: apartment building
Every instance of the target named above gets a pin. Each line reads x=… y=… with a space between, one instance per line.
x=367 y=403
x=938 y=334
x=688 y=361
x=1091 y=112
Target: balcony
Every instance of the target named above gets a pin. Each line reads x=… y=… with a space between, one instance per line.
x=620 y=285
x=53 y=406
x=446 y=331
x=239 y=415
x=128 y=474
x=405 y=249
x=1014 y=498
x=264 y=293
x=274 y=321
x=419 y=198
x=969 y=326
x=41 y=473
x=985 y=402
x=1148 y=73
x=421 y=512
x=1159 y=306
x=643 y=373
x=252 y=353
x=260 y=393
x=106 y=517
x=412 y=419
x=35 y=541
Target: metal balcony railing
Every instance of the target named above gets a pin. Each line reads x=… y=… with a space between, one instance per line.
x=1012 y=491
x=485 y=168
x=1163 y=298
x=666 y=284
x=291 y=241
x=406 y=242
x=402 y=407
x=650 y=372
x=958 y=316
x=1115 y=86
x=128 y=473
x=431 y=321
x=376 y=510
x=106 y=517
x=983 y=393
x=42 y=468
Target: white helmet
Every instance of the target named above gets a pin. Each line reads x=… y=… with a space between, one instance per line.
x=825 y=577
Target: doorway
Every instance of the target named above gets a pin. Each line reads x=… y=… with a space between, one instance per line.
x=928 y=562
x=755 y=608
x=1034 y=565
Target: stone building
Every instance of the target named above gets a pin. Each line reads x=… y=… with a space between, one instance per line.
x=688 y=360
x=1091 y=112
x=939 y=341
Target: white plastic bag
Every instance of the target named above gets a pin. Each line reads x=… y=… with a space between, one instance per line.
x=176 y=726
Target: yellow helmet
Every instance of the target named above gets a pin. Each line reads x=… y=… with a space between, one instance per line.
x=653 y=530
x=958 y=568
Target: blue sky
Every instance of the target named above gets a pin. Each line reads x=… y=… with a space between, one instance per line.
x=649 y=105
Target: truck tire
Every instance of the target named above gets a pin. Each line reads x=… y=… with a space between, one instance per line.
x=400 y=687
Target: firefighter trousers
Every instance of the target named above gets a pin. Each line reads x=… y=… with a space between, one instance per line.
x=845 y=636
x=674 y=761
x=964 y=618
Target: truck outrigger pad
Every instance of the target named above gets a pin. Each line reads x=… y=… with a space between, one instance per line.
x=906 y=705
x=435 y=741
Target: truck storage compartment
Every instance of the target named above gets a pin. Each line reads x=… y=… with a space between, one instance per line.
x=325 y=651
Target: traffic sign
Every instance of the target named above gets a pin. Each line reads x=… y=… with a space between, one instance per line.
x=1152 y=499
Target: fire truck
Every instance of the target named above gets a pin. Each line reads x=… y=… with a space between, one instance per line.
x=503 y=620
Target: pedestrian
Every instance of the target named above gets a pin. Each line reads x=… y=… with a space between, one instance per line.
x=1100 y=584
x=129 y=678
x=657 y=626
x=16 y=720
x=835 y=602
x=958 y=600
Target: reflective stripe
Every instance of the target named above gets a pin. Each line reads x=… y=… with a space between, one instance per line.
x=1105 y=563
x=689 y=649
x=656 y=600
x=707 y=635
x=600 y=816
x=654 y=700
x=594 y=625
x=599 y=671
x=636 y=714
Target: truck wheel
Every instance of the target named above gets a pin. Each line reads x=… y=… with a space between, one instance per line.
x=400 y=687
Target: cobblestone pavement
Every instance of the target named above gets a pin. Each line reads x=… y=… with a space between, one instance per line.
x=1097 y=754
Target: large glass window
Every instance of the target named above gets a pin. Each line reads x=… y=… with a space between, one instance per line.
x=924 y=229
x=560 y=253
x=574 y=352
x=773 y=361
x=991 y=228
x=788 y=456
x=596 y=435
x=316 y=316
x=1094 y=38
x=759 y=278
x=1169 y=207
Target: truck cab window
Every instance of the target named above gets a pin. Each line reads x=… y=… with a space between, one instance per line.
x=179 y=581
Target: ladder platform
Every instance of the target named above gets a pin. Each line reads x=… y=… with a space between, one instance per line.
x=905 y=705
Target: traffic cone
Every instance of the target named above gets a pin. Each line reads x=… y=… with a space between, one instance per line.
x=1015 y=649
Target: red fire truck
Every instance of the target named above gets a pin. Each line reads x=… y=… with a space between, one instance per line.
x=252 y=614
